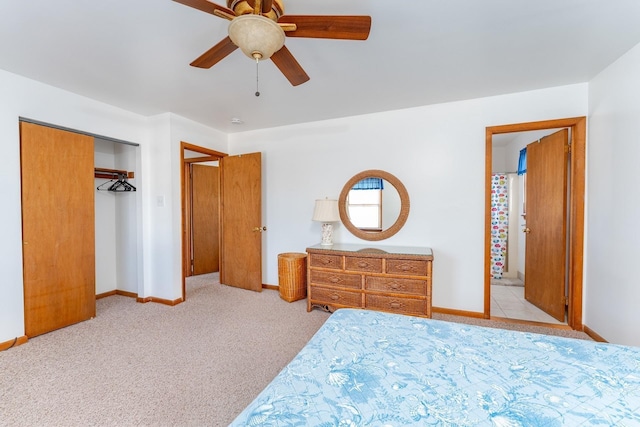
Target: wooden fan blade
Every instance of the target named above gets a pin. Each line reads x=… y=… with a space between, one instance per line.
x=215 y=54
x=206 y=6
x=288 y=65
x=329 y=27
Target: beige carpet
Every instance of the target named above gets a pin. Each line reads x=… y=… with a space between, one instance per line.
x=198 y=363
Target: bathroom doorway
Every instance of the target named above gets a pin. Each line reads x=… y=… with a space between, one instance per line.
x=574 y=206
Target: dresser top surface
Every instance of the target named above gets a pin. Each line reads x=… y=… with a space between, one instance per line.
x=372 y=250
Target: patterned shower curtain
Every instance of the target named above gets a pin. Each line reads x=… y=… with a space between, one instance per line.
x=499 y=224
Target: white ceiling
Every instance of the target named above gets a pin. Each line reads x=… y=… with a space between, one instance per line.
x=135 y=54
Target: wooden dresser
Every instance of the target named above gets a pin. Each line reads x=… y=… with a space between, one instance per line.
x=385 y=278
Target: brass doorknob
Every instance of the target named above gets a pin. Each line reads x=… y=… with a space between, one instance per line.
x=526 y=230
x=260 y=229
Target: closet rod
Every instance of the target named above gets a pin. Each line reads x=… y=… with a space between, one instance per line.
x=112 y=173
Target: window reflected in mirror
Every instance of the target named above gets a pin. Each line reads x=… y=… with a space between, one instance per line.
x=365 y=204
x=373 y=204
x=365 y=209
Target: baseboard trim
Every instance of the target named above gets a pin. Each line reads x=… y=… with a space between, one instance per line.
x=159 y=300
x=270 y=287
x=140 y=300
x=117 y=292
x=105 y=294
x=593 y=334
x=454 y=312
x=13 y=343
x=126 y=294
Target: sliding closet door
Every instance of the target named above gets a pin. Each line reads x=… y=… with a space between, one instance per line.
x=58 y=228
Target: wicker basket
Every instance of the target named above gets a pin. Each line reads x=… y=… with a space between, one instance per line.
x=292 y=276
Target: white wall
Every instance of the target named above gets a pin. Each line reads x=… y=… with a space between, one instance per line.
x=438 y=152
x=499 y=159
x=105 y=218
x=157 y=163
x=126 y=224
x=612 y=293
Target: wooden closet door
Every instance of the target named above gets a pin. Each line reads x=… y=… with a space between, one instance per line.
x=205 y=224
x=58 y=227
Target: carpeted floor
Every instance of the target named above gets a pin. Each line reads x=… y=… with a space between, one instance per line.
x=198 y=363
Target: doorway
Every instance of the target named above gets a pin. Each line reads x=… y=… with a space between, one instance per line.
x=190 y=156
x=575 y=209
x=241 y=229
x=529 y=192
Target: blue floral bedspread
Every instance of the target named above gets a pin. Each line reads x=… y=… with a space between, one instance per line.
x=367 y=368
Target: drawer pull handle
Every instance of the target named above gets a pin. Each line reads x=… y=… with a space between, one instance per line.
x=326 y=261
x=363 y=264
x=405 y=267
x=395 y=304
x=334 y=279
x=394 y=286
x=335 y=297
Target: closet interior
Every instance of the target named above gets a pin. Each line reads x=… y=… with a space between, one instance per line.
x=115 y=218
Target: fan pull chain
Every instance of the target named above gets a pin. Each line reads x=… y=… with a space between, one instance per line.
x=257 y=88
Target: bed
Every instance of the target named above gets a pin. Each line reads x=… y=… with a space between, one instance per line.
x=368 y=368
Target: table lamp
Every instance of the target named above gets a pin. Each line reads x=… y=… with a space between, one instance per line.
x=326 y=212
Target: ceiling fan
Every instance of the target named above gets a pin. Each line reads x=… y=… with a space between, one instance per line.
x=258 y=28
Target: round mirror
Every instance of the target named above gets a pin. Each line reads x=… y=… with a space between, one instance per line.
x=374 y=205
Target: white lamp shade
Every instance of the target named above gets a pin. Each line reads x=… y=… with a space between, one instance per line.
x=258 y=37
x=326 y=210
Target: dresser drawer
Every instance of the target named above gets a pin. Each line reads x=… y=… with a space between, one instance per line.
x=325 y=261
x=407 y=267
x=396 y=305
x=334 y=296
x=336 y=279
x=368 y=265
x=397 y=285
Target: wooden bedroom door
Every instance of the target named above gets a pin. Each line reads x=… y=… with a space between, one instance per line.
x=241 y=244
x=545 y=251
x=58 y=227
x=205 y=223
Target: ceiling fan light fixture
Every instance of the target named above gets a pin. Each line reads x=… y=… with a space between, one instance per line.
x=258 y=37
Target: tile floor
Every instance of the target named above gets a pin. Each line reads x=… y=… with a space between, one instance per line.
x=507 y=300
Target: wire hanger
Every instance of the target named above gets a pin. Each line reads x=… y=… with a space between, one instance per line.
x=117 y=186
x=104 y=184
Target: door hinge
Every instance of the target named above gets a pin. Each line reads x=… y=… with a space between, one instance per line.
x=566 y=301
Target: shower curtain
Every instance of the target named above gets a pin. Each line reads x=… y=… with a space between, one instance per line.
x=499 y=224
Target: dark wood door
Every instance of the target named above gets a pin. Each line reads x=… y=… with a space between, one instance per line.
x=241 y=245
x=205 y=211
x=58 y=227
x=546 y=219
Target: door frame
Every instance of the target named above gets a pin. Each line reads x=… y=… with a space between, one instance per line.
x=209 y=155
x=575 y=209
